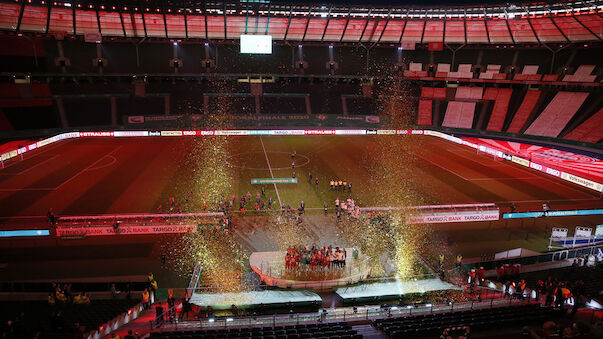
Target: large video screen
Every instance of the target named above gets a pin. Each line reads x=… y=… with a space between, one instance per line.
x=256 y=44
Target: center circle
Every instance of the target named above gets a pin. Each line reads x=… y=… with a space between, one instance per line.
x=278 y=160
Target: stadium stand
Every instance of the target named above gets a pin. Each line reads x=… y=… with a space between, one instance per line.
x=434 y=324
x=463 y=72
x=471 y=93
x=590 y=130
x=523 y=112
x=557 y=114
x=425 y=113
x=459 y=114
x=443 y=71
x=321 y=330
x=58 y=321
x=415 y=70
x=493 y=72
x=582 y=74
x=529 y=72
x=501 y=97
x=591 y=277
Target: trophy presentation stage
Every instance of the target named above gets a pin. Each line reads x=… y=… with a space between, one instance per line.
x=270 y=266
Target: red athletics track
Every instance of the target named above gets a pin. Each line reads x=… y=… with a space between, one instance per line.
x=131 y=175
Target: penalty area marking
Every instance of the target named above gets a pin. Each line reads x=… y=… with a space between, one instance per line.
x=271 y=174
x=91 y=167
x=32 y=167
x=15 y=161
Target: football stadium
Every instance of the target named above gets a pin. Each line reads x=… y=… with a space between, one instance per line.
x=175 y=169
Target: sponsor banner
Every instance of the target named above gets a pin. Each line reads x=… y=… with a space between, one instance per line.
x=96 y=134
x=319 y=131
x=136 y=119
x=188 y=133
x=552 y=214
x=232 y=132
x=403 y=131
x=206 y=132
x=520 y=161
x=45 y=142
x=373 y=119
x=93 y=231
x=69 y=135
x=545 y=169
x=274 y=181
x=162 y=117
x=287 y=132
x=24 y=233
x=131 y=133
x=171 y=133
x=259 y=132
x=454 y=217
x=416 y=131
x=582 y=182
x=260 y=120
x=9 y=155
x=599 y=231
x=154 y=133
x=386 y=131
x=350 y=132
x=272 y=117
x=371 y=131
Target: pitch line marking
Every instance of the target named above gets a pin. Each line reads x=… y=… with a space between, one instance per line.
x=507 y=178
x=271 y=174
x=26 y=189
x=89 y=167
x=60 y=143
x=34 y=166
x=114 y=160
x=524 y=170
x=446 y=169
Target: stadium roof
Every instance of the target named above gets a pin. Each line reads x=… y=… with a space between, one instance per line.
x=553 y=22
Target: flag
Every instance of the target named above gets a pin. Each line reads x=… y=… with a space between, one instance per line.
x=436 y=46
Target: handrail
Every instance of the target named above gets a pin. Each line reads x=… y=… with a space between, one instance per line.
x=536 y=259
x=488 y=300
x=159 y=320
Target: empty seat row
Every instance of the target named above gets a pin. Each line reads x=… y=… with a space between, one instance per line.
x=326 y=330
x=528 y=72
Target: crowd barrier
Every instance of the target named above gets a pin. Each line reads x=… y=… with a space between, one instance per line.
x=537 y=259
x=490 y=299
x=584 y=182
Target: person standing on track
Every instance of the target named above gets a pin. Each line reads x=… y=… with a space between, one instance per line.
x=316 y=183
x=326 y=209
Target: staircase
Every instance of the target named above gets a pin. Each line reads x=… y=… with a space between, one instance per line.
x=368 y=331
